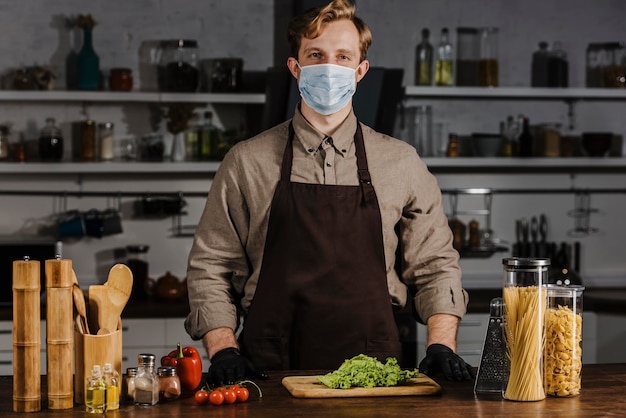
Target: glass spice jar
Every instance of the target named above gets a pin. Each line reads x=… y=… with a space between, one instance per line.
x=128 y=389
x=121 y=79
x=146 y=381
x=88 y=140
x=169 y=383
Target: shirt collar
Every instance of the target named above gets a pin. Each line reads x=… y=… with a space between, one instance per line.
x=311 y=138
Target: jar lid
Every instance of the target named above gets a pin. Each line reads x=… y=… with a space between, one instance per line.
x=565 y=291
x=525 y=262
x=146 y=359
x=180 y=43
x=166 y=371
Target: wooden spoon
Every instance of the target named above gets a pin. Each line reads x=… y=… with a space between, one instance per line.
x=108 y=300
x=79 y=302
x=121 y=279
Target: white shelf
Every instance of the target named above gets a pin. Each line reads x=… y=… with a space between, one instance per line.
x=131 y=96
x=509 y=93
x=133 y=167
x=209 y=167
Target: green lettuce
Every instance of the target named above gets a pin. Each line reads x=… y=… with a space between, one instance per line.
x=367 y=372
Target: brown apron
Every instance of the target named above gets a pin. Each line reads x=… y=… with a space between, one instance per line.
x=322 y=294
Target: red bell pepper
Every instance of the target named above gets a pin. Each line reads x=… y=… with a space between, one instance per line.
x=188 y=365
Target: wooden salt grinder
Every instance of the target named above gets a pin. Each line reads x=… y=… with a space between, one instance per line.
x=26 y=336
x=59 y=329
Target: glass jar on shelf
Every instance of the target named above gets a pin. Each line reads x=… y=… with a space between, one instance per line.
x=50 y=142
x=178 y=68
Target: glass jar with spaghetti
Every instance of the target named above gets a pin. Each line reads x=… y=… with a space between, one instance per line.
x=524 y=294
x=563 y=344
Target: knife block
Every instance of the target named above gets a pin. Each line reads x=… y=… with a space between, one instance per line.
x=95 y=349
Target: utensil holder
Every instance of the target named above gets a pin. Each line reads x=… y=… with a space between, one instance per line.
x=92 y=349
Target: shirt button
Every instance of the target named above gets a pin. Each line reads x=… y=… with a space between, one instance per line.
x=329 y=164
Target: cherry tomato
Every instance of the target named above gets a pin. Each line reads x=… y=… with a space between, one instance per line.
x=216 y=397
x=201 y=397
x=242 y=394
x=229 y=395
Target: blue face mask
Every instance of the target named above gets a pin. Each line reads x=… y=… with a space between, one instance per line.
x=326 y=88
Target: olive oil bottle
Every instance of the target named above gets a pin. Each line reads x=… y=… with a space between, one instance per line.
x=96 y=393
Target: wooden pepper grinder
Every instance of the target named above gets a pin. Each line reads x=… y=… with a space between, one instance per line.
x=59 y=328
x=26 y=336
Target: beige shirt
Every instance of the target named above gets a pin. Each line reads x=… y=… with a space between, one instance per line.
x=225 y=259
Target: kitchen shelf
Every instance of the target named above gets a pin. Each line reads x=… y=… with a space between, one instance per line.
x=131 y=96
x=511 y=93
x=462 y=164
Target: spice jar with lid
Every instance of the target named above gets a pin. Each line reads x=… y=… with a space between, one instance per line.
x=178 y=68
x=121 y=79
x=128 y=389
x=50 y=142
x=105 y=138
x=146 y=381
x=169 y=383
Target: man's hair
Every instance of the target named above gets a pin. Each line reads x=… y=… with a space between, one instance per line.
x=311 y=23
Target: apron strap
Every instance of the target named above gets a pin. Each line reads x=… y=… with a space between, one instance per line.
x=365 y=180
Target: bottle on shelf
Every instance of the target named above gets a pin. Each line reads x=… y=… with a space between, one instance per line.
x=51 y=142
x=557 y=67
x=444 y=73
x=96 y=394
x=539 y=70
x=424 y=61
x=112 y=381
x=526 y=140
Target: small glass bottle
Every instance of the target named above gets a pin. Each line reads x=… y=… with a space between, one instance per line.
x=424 y=61
x=524 y=294
x=563 y=346
x=558 y=70
x=539 y=73
x=106 y=142
x=4 y=142
x=453 y=146
x=147 y=381
x=444 y=73
x=51 y=142
x=169 y=383
x=112 y=380
x=88 y=140
x=95 y=396
x=128 y=389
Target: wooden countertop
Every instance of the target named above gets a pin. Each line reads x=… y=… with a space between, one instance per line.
x=603 y=394
x=605 y=300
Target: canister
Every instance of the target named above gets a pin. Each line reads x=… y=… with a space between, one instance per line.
x=488 y=64
x=467 y=56
x=563 y=343
x=524 y=294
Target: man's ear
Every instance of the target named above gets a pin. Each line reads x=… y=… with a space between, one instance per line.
x=362 y=70
x=292 y=64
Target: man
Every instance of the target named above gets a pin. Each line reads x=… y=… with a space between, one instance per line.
x=305 y=223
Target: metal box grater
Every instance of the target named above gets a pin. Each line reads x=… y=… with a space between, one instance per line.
x=493 y=371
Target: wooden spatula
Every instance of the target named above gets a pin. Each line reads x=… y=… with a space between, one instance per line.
x=121 y=279
x=107 y=301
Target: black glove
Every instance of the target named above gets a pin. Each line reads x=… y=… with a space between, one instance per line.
x=440 y=358
x=229 y=366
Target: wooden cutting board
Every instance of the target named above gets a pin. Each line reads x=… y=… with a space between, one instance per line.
x=310 y=387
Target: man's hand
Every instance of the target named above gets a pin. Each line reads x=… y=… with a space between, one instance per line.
x=229 y=366
x=440 y=358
